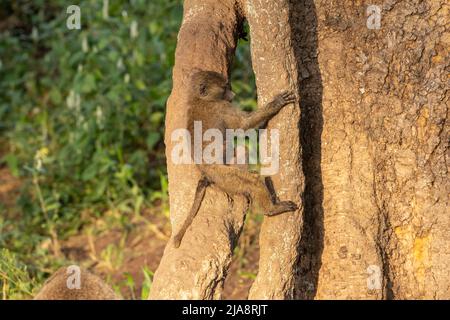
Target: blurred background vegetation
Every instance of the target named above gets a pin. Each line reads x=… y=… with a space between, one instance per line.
x=81 y=137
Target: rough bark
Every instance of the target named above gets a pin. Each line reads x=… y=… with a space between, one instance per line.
x=370 y=139
x=383 y=170
x=196 y=270
x=275 y=69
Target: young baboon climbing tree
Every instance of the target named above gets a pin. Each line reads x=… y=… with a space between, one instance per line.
x=210 y=103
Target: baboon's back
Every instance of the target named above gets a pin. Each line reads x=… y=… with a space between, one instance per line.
x=92 y=287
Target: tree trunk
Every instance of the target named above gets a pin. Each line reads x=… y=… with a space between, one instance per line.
x=364 y=155
x=196 y=270
x=382 y=118
x=275 y=69
x=207 y=40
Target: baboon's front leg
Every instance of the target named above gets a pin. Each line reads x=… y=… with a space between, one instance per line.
x=264 y=114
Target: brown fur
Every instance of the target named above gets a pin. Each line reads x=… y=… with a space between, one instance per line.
x=91 y=288
x=210 y=103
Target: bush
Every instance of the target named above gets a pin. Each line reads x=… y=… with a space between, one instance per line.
x=82 y=113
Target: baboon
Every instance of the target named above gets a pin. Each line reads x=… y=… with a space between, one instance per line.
x=209 y=98
x=61 y=287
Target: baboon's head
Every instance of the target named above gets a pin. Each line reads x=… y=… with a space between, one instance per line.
x=210 y=86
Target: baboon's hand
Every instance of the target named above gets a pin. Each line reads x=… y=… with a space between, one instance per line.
x=283 y=99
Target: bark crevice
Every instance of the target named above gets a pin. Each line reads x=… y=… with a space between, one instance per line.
x=303 y=21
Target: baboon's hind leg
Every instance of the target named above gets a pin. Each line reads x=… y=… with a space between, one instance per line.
x=265 y=197
x=278 y=206
x=232 y=180
x=271 y=189
x=199 y=195
x=281 y=207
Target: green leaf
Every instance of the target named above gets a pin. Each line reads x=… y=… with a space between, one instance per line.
x=89 y=83
x=156 y=118
x=147 y=283
x=90 y=172
x=140 y=84
x=100 y=188
x=152 y=139
x=13 y=164
x=55 y=96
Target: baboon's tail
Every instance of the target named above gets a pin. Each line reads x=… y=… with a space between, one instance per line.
x=199 y=195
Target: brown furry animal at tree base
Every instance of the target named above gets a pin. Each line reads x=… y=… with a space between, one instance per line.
x=66 y=284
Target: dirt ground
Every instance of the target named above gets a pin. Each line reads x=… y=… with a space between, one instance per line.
x=9 y=188
x=142 y=246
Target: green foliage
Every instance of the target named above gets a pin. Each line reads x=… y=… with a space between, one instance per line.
x=83 y=110
x=94 y=98
x=147 y=283
x=130 y=283
x=242 y=76
x=82 y=113
x=15 y=281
